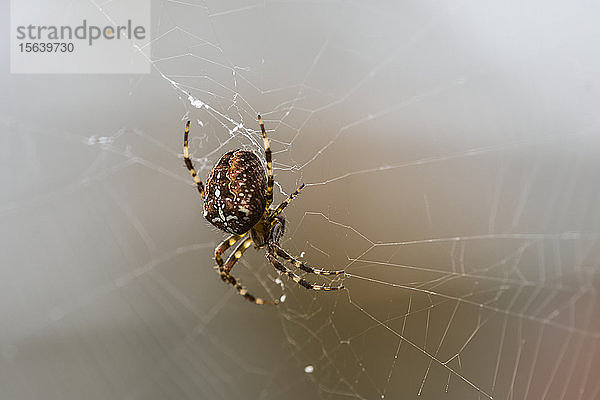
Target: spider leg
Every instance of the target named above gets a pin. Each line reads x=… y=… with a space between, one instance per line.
x=188 y=161
x=268 y=156
x=285 y=203
x=231 y=260
x=237 y=254
x=297 y=278
x=279 y=251
x=227 y=277
x=222 y=248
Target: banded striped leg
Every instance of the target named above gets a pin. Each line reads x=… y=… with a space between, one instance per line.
x=227 y=277
x=279 y=251
x=222 y=248
x=285 y=203
x=237 y=254
x=268 y=156
x=188 y=161
x=238 y=286
x=297 y=278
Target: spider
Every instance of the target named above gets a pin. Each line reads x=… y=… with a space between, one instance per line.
x=237 y=200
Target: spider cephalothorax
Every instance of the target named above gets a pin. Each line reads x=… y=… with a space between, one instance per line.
x=237 y=200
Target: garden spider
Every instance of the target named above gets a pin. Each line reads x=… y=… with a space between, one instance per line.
x=237 y=200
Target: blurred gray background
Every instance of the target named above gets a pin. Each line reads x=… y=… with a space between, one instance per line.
x=451 y=157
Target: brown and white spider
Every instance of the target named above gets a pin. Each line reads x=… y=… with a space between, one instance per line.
x=237 y=200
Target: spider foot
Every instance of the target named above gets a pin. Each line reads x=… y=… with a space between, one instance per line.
x=227 y=278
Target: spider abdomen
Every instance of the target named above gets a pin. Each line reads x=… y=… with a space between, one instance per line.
x=235 y=192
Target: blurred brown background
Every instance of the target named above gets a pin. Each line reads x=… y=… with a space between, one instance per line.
x=451 y=156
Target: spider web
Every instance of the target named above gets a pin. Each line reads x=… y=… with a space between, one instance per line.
x=450 y=160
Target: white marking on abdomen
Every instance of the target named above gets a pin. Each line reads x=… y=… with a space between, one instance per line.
x=244 y=210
